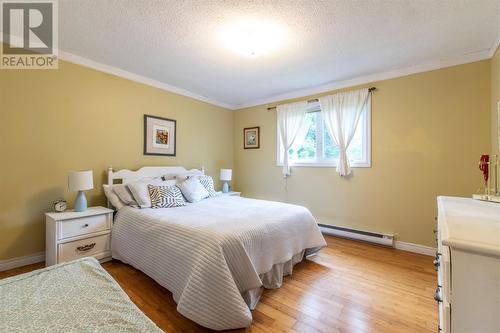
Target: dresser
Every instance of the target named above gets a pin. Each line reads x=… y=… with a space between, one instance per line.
x=468 y=265
x=72 y=235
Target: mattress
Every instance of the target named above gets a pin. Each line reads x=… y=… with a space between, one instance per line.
x=77 y=296
x=214 y=254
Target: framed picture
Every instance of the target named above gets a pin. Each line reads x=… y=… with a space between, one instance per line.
x=251 y=138
x=159 y=136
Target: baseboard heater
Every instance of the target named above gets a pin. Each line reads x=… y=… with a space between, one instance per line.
x=367 y=236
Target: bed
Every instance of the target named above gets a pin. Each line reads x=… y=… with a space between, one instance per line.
x=76 y=296
x=216 y=255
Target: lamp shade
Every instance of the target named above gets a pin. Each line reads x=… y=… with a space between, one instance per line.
x=80 y=180
x=226 y=174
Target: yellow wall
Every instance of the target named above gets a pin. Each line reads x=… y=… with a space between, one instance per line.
x=428 y=131
x=495 y=99
x=74 y=118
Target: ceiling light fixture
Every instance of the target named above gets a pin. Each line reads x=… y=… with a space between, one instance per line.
x=252 y=38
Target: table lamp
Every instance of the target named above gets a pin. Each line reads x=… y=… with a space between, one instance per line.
x=80 y=181
x=225 y=176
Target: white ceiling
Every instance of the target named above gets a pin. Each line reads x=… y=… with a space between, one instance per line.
x=174 y=42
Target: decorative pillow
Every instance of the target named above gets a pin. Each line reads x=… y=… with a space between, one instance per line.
x=114 y=200
x=124 y=194
x=192 y=189
x=140 y=190
x=182 y=176
x=165 y=196
x=208 y=184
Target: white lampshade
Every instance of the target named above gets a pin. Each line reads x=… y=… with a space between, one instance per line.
x=80 y=180
x=226 y=174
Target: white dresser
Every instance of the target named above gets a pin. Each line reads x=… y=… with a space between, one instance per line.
x=468 y=265
x=72 y=235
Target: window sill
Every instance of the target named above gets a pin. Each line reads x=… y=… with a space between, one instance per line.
x=327 y=165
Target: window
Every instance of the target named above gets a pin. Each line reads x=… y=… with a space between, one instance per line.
x=318 y=149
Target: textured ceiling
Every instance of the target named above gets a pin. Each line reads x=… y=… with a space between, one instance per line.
x=175 y=42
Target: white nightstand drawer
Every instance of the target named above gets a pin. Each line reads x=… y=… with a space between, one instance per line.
x=84 y=225
x=83 y=248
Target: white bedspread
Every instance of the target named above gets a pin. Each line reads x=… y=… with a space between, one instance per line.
x=208 y=253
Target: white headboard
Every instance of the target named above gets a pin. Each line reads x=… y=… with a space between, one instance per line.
x=127 y=176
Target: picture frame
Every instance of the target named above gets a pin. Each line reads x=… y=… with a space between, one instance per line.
x=159 y=136
x=251 y=137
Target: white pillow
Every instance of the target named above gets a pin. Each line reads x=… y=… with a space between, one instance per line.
x=124 y=194
x=193 y=190
x=114 y=200
x=140 y=190
x=208 y=183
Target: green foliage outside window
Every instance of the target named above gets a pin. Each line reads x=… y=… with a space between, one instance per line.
x=307 y=150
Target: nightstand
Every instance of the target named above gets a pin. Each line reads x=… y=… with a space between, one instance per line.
x=72 y=235
x=231 y=193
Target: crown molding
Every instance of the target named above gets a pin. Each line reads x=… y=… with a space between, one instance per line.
x=391 y=74
x=85 y=62
x=380 y=76
x=75 y=59
x=495 y=45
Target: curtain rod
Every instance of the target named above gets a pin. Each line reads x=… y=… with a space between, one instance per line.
x=317 y=100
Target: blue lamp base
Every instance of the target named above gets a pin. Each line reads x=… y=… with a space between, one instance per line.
x=80 y=202
x=225 y=187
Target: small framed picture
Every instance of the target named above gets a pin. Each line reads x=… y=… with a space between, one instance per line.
x=159 y=136
x=251 y=138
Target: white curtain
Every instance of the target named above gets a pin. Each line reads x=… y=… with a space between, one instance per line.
x=291 y=128
x=341 y=113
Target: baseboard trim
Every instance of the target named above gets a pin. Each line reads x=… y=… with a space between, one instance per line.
x=415 y=248
x=22 y=261
x=40 y=256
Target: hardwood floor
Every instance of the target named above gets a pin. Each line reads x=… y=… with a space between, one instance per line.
x=348 y=287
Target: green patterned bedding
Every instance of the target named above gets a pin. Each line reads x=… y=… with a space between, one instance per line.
x=77 y=296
